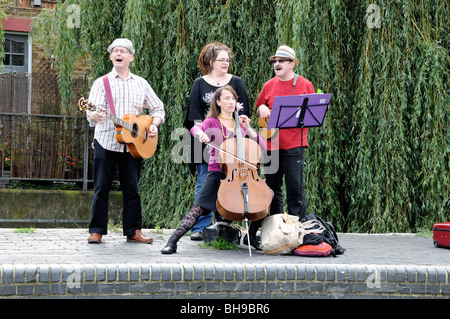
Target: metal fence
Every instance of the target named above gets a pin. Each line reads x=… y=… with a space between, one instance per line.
x=45 y=147
x=37 y=142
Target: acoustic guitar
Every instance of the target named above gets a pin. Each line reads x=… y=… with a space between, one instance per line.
x=131 y=130
x=263 y=131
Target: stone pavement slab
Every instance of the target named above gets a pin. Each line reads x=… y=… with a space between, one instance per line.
x=59 y=263
x=69 y=246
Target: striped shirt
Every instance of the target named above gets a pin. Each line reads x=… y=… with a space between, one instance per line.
x=130 y=96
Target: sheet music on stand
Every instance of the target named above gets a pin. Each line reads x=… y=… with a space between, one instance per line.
x=299 y=111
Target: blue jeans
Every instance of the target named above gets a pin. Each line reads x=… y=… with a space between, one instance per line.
x=205 y=220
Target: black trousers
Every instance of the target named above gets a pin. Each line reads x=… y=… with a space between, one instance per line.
x=105 y=163
x=207 y=196
x=291 y=163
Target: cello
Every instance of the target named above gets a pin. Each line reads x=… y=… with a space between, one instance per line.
x=242 y=195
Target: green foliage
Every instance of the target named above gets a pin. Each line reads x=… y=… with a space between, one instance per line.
x=220 y=243
x=402 y=145
x=4 y=5
x=24 y=230
x=381 y=161
x=167 y=53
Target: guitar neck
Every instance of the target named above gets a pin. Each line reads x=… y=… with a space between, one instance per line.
x=117 y=120
x=85 y=105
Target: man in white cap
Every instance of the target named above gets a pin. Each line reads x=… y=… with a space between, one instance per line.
x=289 y=144
x=130 y=95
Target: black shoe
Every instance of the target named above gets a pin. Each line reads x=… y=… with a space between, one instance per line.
x=253 y=242
x=197 y=236
x=169 y=249
x=219 y=224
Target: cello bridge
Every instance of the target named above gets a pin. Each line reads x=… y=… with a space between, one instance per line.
x=243 y=173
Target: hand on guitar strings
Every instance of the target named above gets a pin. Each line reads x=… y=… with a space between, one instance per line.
x=97 y=117
x=153 y=130
x=263 y=111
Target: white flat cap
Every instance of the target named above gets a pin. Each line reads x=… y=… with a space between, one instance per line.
x=122 y=42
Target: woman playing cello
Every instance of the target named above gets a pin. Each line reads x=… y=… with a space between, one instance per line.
x=218 y=126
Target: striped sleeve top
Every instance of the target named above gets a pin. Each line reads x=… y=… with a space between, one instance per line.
x=130 y=96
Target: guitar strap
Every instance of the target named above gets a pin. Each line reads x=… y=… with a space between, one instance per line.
x=109 y=95
x=294 y=83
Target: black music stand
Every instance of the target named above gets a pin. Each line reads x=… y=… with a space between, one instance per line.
x=299 y=111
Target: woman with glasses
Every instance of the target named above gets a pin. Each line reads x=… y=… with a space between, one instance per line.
x=214 y=61
x=218 y=126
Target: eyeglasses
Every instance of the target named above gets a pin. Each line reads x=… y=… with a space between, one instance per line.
x=223 y=61
x=115 y=51
x=279 y=61
x=229 y=98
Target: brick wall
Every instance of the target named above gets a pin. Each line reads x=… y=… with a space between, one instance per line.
x=245 y=281
x=45 y=97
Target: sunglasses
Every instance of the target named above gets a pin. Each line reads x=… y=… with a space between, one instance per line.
x=279 y=61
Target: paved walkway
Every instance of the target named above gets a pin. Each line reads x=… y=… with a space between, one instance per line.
x=46 y=263
x=69 y=246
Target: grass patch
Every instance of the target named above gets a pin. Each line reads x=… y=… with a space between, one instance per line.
x=425 y=232
x=220 y=244
x=115 y=227
x=24 y=230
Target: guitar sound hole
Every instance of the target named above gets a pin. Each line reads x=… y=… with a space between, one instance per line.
x=135 y=130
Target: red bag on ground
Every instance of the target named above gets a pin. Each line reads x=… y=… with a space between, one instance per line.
x=441 y=235
x=322 y=249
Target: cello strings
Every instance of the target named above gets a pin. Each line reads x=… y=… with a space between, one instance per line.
x=232 y=155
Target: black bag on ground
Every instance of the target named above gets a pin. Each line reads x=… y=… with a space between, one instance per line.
x=328 y=235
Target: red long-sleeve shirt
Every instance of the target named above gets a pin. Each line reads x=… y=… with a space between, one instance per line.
x=286 y=138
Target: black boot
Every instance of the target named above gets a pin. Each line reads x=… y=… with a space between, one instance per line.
x=169 y=249
x=186 y=224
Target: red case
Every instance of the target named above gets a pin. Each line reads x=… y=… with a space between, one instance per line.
x=441 y=235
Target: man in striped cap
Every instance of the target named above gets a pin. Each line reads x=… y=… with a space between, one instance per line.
x=287 y=147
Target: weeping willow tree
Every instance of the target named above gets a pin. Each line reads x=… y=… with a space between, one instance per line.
x=325 y=38
x=170 y=45
x=381 y=161
x=168 y=36
x=4 y=5
x=402 y=119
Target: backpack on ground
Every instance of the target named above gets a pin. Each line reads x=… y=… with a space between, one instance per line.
x=321 y=243
x=279 y=234
x=282 y=233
